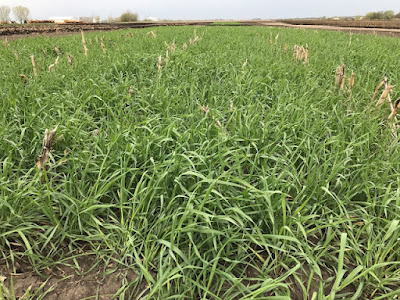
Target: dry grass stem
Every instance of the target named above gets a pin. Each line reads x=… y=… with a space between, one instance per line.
x=343 y=79
x=24 y=78
x=166 y=44
x=396 y=107
x=244 y=64
x=218 y=123
x=160 y=62
x=394 y=130
x=48 y=141
x=204 y=109
x=351 y=81
x=116 y=46
x=340 y=77
x=34 y=65
x=103 y=46
x=385 y=94
x=85 y=49
x=56 y=49
x=40 y=66
x=130 y=91
x=83 y=37
x=276 y=39
x=384 y=82
x=301 y=54
x=306 y=54
x=51 y=67
x=152 y=33
x=70 y=59
x=195 y=38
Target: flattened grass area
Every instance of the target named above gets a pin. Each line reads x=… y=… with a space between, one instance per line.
x=283 y=188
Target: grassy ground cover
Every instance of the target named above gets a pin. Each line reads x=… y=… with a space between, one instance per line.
x=214 y=179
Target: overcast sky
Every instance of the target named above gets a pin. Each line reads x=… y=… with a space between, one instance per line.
x=204 y=9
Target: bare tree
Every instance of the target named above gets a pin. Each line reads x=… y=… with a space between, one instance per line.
x=4 y=13
x=21 y=13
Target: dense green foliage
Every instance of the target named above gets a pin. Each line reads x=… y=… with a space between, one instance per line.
x=298 y=192
x=380 y=15
x=128 y=17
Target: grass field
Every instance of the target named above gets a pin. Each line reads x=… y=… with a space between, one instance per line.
x=214 y=179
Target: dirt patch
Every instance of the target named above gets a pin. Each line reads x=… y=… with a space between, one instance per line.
x=85 y=277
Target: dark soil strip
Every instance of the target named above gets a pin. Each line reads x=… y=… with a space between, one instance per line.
x=20 y=31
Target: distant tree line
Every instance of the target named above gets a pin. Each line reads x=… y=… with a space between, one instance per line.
x=127 y=16
x=21 y=13
x=382 y=15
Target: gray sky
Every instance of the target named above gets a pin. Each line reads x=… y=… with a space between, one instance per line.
x=204 y=9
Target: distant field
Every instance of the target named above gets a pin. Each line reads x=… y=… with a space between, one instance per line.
x=226 y=24
x=390 y=24
x=226 y=171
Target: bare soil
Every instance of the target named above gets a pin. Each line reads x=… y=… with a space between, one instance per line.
x=29 y=30
x=91 y=279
